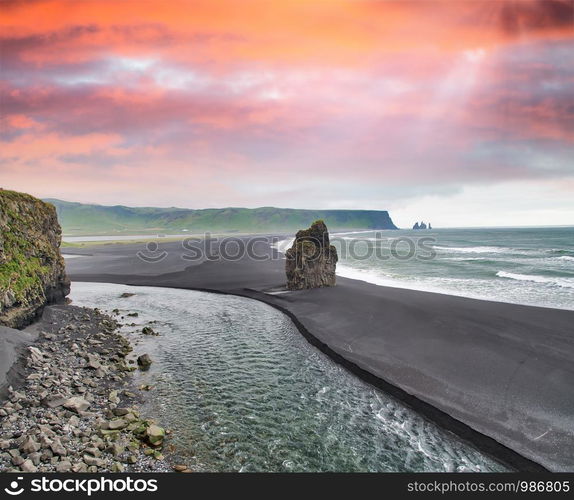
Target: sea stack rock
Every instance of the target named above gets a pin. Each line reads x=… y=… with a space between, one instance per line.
x=32 y=270
x=312 y=260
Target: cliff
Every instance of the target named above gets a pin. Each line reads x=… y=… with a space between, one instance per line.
x=311 y=261
x=32 y=271
x=78 y=218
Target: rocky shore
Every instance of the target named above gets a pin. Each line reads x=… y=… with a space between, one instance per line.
x=73 y=407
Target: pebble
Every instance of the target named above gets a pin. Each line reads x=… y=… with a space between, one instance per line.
x=28 y=466
x=66 y=415
x=77 y=404
x=58 y=449
x=63 y=466
x=29 y=445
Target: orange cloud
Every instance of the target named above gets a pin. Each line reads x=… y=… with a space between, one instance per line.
x=19 y=122
x=37 y=147
x=342 y=31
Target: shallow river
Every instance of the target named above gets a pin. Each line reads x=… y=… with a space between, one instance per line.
x=242 y=390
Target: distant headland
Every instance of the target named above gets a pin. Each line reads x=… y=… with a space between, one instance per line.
x=79 y=218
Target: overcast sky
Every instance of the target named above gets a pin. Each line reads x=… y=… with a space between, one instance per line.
x=457 y=112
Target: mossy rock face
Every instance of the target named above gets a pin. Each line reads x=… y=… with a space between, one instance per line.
x=32 y=270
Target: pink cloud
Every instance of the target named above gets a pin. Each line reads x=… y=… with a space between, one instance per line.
x=207 y=95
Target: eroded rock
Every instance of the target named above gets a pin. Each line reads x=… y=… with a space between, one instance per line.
x=311 y=261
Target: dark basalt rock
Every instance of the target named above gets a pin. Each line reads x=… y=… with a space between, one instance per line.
x=144 y=362
x=312 y=260
x=422 y=225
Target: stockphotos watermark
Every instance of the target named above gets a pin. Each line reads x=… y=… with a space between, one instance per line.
x=261 y=248
x=88 y=487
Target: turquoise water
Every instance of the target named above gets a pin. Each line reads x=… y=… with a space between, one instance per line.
x=533 y=266
x=242 y=390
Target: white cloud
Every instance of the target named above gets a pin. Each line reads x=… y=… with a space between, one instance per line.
x=475 y=55
x=523 y=203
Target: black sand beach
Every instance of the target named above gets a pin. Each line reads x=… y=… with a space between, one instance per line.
x=499 y=375
x=13 y=344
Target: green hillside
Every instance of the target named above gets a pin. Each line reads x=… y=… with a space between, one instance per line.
x=81 y=219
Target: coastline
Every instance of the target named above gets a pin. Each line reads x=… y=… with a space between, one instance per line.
x=388 y=337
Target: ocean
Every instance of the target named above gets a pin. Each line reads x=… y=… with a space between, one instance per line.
x=531 y=266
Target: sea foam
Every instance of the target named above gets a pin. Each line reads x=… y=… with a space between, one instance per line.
x=562 y=282
x=486 y=249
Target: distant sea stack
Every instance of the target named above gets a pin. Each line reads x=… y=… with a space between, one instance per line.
x=32 y=270
x=311 y=261
x=422 y=225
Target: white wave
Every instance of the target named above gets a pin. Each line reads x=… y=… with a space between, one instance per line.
x=350 y=238
x=356 y=232
x=283 y=245
x=476 y=289
x=441 y=285
x=566 y=258
x=463 y=259
x=369 y=276
x=490 y=249
x=449 y=286
x=548 y=280
x=474 y=249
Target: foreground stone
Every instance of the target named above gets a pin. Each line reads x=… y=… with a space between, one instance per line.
x=148 y=330
x=155 y=435
x=144 y=361
x=76 y=404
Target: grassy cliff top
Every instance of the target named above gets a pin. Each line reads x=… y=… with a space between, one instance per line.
x=29 y=248
x=78 y=218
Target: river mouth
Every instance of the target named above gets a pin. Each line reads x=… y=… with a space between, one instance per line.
x=242 y=390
